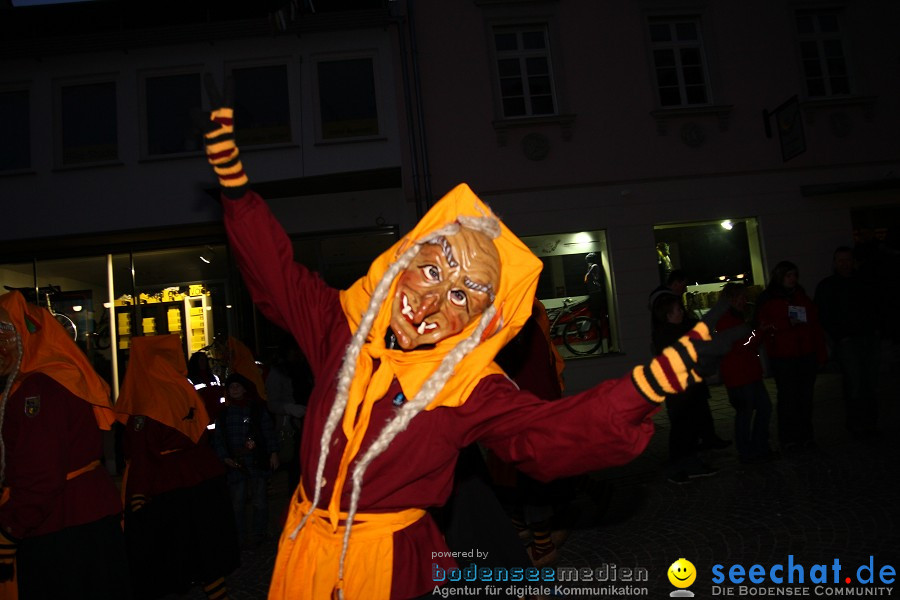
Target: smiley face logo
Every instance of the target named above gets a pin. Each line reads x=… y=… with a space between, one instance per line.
x=682 y=573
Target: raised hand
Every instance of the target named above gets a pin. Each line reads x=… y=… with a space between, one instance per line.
x=218 y=136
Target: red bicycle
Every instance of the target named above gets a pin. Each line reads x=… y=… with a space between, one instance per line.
x=574 y=326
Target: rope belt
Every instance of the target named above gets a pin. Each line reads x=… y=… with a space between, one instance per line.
x=88 y=467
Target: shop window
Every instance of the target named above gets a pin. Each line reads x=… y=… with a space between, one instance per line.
x=524 y=71
x=180 y=291
x=15 y=119
x=711 y=254
x=88 y=123
x=822 y=53
x=261 y=105
x=678 y=62
x=348 y=106
x=575 y=287
x=170 y=101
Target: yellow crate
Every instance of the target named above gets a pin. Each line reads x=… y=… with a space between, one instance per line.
x=149 y=325
x=195 y=289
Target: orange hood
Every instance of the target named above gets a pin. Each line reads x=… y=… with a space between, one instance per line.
x=518 y=279
x=240 y=360
x=156 y=385
x=48 y=349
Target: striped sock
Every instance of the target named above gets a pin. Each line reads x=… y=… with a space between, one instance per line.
x=216 y=590
x=223 y=154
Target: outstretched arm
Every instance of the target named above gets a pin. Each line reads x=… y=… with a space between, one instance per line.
x=607 y=425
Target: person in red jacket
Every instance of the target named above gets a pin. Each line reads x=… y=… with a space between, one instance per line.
x=742 y=374
x=795 y=345
x=60 y=512
x=405 y=377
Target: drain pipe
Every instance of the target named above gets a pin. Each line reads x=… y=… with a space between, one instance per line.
x=426 y=173
x=421 y=207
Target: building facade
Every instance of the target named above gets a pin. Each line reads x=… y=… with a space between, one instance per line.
x=717 y=138
x=645 y=136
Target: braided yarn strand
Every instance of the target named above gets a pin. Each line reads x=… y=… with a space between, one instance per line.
x=427 y=393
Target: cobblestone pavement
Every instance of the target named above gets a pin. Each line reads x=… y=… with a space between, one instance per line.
x=837 y=501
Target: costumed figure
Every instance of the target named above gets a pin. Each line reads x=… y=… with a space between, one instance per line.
x=405 y=377
x=57 y=500
x=179 y=526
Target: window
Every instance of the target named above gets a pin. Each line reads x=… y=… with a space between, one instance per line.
x=170 y=100
x=678 y=62
x=576 y=289
x=261 y=105
x=523 y=71
x=347 y=98
x=88 y=120
x=15 y=119
x=822 y=54
x=711 y=254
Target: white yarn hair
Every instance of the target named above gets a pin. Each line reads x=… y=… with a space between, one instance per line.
x=9 y=382
x=345 y=375
x=490 y=227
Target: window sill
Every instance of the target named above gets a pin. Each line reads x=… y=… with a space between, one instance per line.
x=351 y=140
x=17 y=172
x=663 y=116
x=88 y=165
x=812 y=106
x=503 y=126
x=173 y=156
x=245 y=148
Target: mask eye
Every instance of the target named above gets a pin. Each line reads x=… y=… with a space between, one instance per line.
x=458 y=297
x=431 y=273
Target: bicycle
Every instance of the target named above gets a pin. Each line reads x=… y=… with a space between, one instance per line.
x=30 y=295
x=573 y=325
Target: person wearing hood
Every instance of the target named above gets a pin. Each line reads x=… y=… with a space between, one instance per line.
x=795 y=346
x=404 y=370
x=179 y=527
x=56 y=500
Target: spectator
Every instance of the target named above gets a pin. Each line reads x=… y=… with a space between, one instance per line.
x=60 y=512
x=742 y=375
x=663 y=331
x=795 y=346
x=687 y=410
x=245 y=441
x=675 y=285
x=851 y=310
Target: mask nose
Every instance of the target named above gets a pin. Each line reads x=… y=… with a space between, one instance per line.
x=431 y=303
